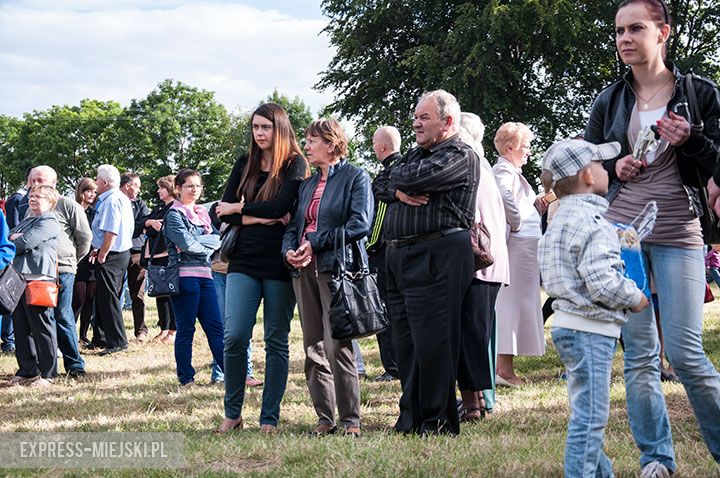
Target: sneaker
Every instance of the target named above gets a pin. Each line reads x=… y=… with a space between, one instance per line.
x=655 y=469
x=42 y=382
x=9 y=350
x=76 y=373
x=18 y=380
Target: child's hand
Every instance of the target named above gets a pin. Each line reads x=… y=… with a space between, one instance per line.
x=643 y=303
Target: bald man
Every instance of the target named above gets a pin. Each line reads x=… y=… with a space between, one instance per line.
x=386 y=145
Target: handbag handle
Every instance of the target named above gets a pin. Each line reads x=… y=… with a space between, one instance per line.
x=160 y=236
x=340 y=263
x=696 y=121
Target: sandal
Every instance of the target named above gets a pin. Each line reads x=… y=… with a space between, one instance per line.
x=237 y=426
x=472 y=414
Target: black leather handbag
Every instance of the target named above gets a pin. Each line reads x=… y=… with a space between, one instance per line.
x=12 y=286
x=356 y=309
x=163 y=280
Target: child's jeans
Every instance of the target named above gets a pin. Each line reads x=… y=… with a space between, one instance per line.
x=588 y=360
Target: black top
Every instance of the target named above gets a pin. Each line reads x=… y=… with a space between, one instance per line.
x=448 y=172
x=140 y=212
x=152 y=235
x=257 y=250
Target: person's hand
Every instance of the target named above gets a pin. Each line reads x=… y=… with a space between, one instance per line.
x=541 y=205
x=414 y=200
x=627 y=168
x=154 y=223
x=304 y=254
x=15 y=236
x=674 y=129
x=292 y=258
x=227 y=208
x=92 y=256
x=714 y=193
x=102 y=256
x=644 y=302
x=285 y=219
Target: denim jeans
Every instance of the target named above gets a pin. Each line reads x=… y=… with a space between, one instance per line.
x=216 y=374
x=67 y=337
x=8 y=333
x=588 y=359
x=197 y=298
x=680 y=285
x=242 y=300
x=359 y=362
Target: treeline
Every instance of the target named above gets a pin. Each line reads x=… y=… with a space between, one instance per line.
x=175 y=126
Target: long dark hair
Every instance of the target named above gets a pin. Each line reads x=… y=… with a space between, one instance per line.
x=285 y=148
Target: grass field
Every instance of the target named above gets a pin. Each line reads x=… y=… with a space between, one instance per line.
x=137 y=391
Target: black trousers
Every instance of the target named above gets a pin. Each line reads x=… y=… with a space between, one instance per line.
x=110 y=328
x=426 y=286
x=475 y=368
x=384 y=338
x=136 y=284
x=35 y=340
x=166 y=315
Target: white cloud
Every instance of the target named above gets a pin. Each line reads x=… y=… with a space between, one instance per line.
x=58 y=52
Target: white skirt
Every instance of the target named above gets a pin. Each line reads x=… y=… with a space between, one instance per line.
x=518 y=306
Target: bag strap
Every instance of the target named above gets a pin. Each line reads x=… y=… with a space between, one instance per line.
x=693 y=104
x=357 y=252
x=160 y=236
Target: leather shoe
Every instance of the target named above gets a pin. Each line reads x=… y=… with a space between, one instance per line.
x=113 y=350
x=501 y=382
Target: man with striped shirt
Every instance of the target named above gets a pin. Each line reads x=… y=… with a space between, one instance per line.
x=386 y=144
x=430 y=194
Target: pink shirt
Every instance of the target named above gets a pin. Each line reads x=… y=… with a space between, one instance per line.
x=311 y=214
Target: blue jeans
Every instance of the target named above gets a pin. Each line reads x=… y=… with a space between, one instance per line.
x=67 y=337
x=197 y=298
x=243 y=297
x=715 y=275
x=216 y=374
x=8 y=334
x=359 y=362
x=680 y=284
x=588 y=359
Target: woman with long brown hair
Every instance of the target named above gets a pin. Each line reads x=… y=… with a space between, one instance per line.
x=653 y=94
x=260 y=194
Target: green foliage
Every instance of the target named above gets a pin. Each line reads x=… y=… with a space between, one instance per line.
x=11 y=176
x=298 y=112
x=540 y=62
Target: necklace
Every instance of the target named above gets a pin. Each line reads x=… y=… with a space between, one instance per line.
x=645 y=103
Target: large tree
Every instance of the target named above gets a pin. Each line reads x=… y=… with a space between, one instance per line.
x=177 y=126
x=540 y=62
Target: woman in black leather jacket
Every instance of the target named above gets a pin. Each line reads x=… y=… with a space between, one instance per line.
x=336 y=199
x=653 y=94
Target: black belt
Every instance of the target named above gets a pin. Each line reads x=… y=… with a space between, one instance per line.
x=407 y=241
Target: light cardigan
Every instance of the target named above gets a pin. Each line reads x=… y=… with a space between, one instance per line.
x=490 y=210
x=518 y=199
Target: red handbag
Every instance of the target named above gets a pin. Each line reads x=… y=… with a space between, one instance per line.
x=709 y=297
x=41 y=293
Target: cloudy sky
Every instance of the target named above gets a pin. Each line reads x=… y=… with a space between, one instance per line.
x=61 y=51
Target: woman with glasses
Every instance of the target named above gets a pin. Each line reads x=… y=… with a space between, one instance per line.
x=36 y=242
x=191 y=239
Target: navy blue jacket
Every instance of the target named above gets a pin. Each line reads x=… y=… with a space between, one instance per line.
x=346 y=204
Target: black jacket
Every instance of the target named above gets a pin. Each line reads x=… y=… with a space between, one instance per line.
x=610 y=117
x=697 y=159
x=347 y=202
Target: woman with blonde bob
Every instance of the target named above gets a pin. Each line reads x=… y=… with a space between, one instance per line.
x=36 y=243
x=335 y=200
x=519 y=316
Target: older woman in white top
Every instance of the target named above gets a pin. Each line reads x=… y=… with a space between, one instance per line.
x=519 y=317
x=476 y=368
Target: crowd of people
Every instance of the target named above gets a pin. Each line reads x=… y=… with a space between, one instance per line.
x=451 y=326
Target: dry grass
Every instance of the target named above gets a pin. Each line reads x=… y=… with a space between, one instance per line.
x=138 y=391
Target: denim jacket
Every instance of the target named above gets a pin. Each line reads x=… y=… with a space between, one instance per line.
x=36 y=248
x=346 y=204
x=196 y=247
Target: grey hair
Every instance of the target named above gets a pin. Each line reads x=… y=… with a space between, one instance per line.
x=393 y=136
x=447 y=105
x=44 y=169
x=472 y=131
x=109 y=173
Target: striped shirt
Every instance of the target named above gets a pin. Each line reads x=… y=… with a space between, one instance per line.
x=448 y=172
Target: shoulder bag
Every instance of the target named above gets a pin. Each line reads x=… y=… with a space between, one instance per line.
x=12 y=286
x=227 y=242
x=480 y=241
x=356 y=309
x=43 y=293
x=163 y=280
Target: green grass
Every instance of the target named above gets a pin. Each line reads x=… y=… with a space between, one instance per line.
x=137 y=391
